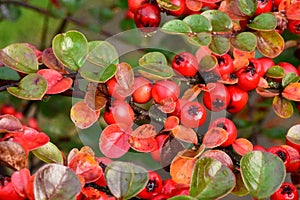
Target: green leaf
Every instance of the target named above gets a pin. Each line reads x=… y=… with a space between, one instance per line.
x=289 y=78
x=49 y=153
x=220 y=21
x=19 y=57
x=201 y=39
x=262 y=173
x=247 y=7
x=219 y=45
x=181 y=197
x=198 y=23
x=70 y=48
x=269 y=43
x=31 y=87
x=283 y=107
x=7 y=73
x=244 y=41
x=56 y=182
x=176 y=26
x=275 y=72
x=102 y=53
x=99 y=75
x=211 y=180
x=153 y=58
x=263 y=22
x=168 y=5
x=125 y=179
x=208 y=63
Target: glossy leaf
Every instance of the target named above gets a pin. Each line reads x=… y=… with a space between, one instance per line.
x=219 y=45
x=102 y=53
x=70 y=48
x=185 y=134
x=219 y=21
x=219 y=155
x=289 y=78
x=282 y=107
x=125 y=179
x=211 y=180
x=242 y=146
x=168 y=5
x=56 y=83
x=19 y=57
x=49 y=153
x=245 y=41
x=31 y=87
x=262 y=173
x=263 y=22
x=56 y=182
x=49 y=59
x=208 y=63
x=198 y=23
x=113 y=142
x=201 y=39
x=82 y=116
x=247 y=7
x=13 y=155
x=94 y=98
x=292 y=92
x=214 y=137
x=176 y=26
x=142 y=139
x=275 y=72
x=269 y=43
x=9 y=123
x=99 y=75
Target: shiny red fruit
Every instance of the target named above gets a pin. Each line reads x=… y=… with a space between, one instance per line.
x=217 y=99
x=133 y=5
x=147 y=17
x=185 y=64
x=225 y=65
x=287 y=191
x=258 y=148
x=119 y=112
x=294 y=163
x=238 y=99
x=281 y=152
x=228 y=126
x=142 y=91
x=153 y=187
x=112 y=85
x=263 y=6
x=181 y=8
x=248 y=78
x=294 y=26
x=7 y=190
x=266 y=63
x=193 y=114
x=165 y=89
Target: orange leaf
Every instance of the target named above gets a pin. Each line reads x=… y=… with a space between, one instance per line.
x=292 y=92
x=143 y=138
x=181 y=169
x=242 y=146
x=185 y=134
x=214 y=137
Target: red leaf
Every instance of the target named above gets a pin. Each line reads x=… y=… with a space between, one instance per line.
x=50 y=60
x=143 y=138
x=56 y=82
x=113 y=141
x=171 y=123
x=214 y=137
x=221 y=156
x=20 y=181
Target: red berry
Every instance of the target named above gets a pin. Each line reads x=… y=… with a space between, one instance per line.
x=142 y=91
x=294 y=26
x=288 y=68
x=193 y=114
x=294 y=163
x=119 y=112
x=112 y=87
x=225 y=65
x=6 y=109
x=266 y=63
x=165 y=89
x=248 y=77
x=287 y=191
x=153 y=187
x=133 y=5
x=181 y=7
x=160 y=197
x=169 y=187
x=147 y=15
x=227 y=125
x=217 y=99
x=263 y=6
x=258 y=148
x=185 y=64
x=238 y=99
x=281 y=153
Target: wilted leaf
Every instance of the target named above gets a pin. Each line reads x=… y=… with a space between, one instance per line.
x=142 y=139
x=262 y=173
x=13 y=155
x=102 y=53
x=176 y=26
x=198 y=23
x=125 y=179
x=55 y=81
x=9 y=123
x=214 y=137
x=56 y=182
x=292 y=92
x=31 y=87
x=242 y=146
x=82 y=116
x=263 y=22
x=245 y=41
x=71 y=49
x=219 y=21
x=19 y=57
x=94 y=98
x=113 y=142
x=269 y=43
x=219 y=45
x=211 y=180
x=49 y=153
x=49 y=59
x=282 y=107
